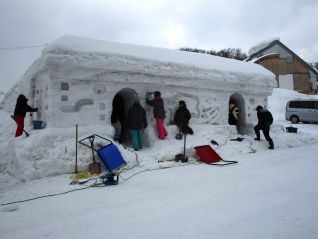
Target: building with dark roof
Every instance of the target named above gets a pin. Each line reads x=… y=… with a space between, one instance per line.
x=291 y=71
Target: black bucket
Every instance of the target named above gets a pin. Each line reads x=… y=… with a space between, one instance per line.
x=181 y=157
x=37 y=124
x=291 y=130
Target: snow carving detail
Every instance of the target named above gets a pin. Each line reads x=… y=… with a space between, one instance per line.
x=206 y=110
x=77 y=107
x=192 y=101
x=99 y=89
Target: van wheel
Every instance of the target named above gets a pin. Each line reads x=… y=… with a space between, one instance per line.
x=294 y=119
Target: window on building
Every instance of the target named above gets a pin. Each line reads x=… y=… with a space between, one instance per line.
x=65 y=86
x=102 y=106
x=289 y=58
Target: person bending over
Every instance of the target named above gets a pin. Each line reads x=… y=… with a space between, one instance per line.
x=265 y=119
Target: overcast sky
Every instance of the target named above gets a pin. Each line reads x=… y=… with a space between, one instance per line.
x=205 y=24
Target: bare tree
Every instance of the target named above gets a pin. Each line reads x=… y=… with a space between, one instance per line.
x=233 y=53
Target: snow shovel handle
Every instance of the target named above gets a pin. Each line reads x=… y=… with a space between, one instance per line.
x=91 y=138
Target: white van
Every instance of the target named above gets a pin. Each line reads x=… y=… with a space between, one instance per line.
x=302 y=111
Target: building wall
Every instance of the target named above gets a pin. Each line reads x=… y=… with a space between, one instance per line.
x=300 y=72
x=88 y=101
x=284 y=63
x=280 y=51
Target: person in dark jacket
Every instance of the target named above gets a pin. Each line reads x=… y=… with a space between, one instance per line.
x=21 y=108
x=137 y=122
x=182 y=118
x=265 y=119
x=158 y=112
x=118 y=119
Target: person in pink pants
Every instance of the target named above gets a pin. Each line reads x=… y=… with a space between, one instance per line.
x=158 y=112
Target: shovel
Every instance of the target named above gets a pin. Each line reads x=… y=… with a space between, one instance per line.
x=94 y=167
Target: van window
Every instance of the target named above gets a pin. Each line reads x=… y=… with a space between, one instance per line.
x=316 y=105
x=302 y=104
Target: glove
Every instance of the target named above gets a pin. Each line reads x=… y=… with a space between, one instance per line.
x=145 y=126
x=36 y=109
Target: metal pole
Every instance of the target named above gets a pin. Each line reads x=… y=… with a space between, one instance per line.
x=76 y=149
x=184 y=146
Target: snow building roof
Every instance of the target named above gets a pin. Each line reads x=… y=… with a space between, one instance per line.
x=261 y=45
x=103 y=56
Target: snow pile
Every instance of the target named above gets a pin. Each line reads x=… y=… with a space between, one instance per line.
x=52 y=151
x=260 y=46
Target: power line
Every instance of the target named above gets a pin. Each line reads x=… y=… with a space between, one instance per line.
x=21 y=47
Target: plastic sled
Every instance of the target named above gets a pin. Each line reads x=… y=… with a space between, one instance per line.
x=111 y=157
x=108 y=154
x=209 y=156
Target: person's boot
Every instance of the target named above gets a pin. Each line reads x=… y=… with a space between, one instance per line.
x=258 y=135
x=271 y=144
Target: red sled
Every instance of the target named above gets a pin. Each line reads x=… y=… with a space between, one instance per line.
x=209 y=156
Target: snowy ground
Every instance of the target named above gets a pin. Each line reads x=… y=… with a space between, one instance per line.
x=268 y=194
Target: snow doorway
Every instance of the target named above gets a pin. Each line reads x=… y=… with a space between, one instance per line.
x=237 y=104
x=122 y=101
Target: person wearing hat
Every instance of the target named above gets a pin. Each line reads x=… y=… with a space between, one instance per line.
x=158 y=112
x=265 y=119
x=137 y=122
x=182 y=118
x=21 y=108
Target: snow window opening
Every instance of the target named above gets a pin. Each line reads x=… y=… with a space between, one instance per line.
x=77 y=107
x=102 y=117
x=65 y=86
x=102 y=106
x=64 y=98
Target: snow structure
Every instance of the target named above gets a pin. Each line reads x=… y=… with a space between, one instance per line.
x=75 y=80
